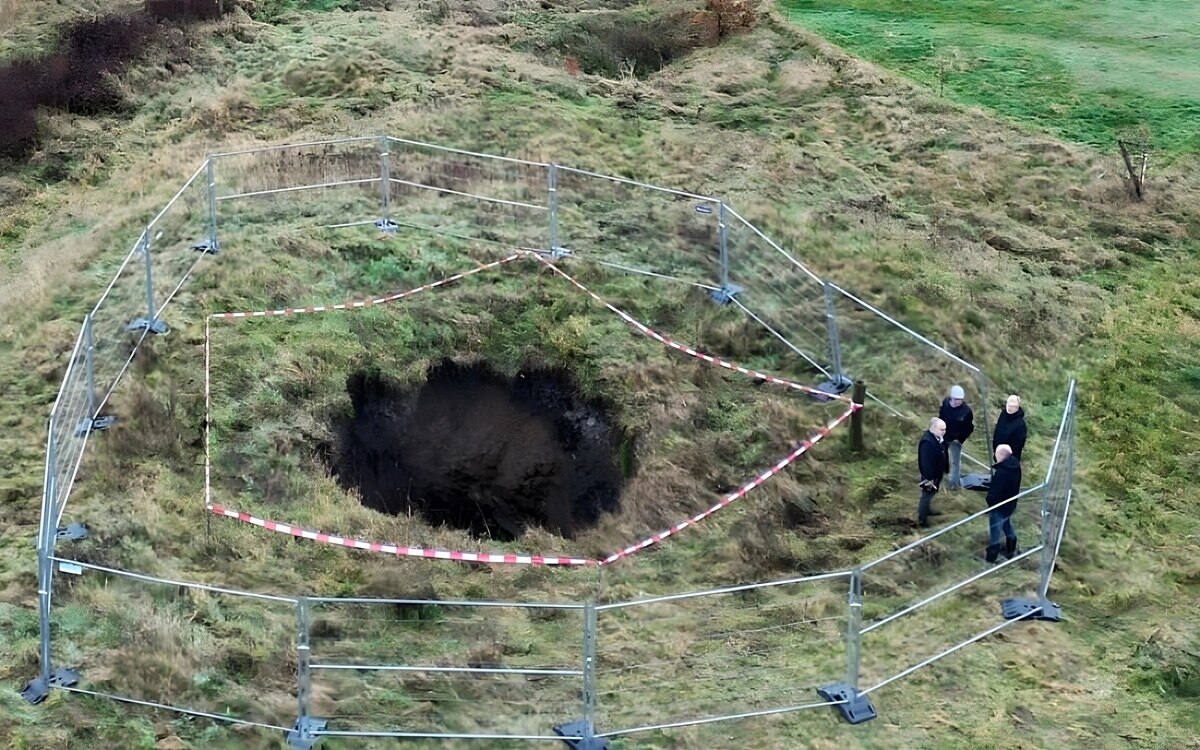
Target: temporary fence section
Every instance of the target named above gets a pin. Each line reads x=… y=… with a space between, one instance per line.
x=387 y=184
x=177 y=645
x=486 y=201
x=443 y=668
x=322 y=183
x=638 y=228
x=928 y=598
x=611 y=665
x=786 y=298
x=728 y=653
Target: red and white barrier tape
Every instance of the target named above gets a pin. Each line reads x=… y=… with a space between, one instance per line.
x=366 y=303
x=507 y=558
x=395 y=549
x=741 y=492
x=651 y=333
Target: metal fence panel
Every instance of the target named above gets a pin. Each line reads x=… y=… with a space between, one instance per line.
x=488 y=201
x=172 y=238
x=1056 y=500
x=69 y=425
x=907 y=373
x=437 y=668
x=779 y=293
x=639 y=228
x=176 y=645
x=331 y=183
x=123 y=302
x=675 y=661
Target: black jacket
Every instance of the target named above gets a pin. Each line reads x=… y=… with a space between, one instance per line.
x=931 y=458
x=960 y=422
x=1006 y=483
x=1010 y=431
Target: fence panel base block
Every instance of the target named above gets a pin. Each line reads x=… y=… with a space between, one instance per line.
x=37 y=690
x=977 y=482
x=838 y=385
x=857 y=707
x=157 y=327
x=584 y=730
x=833 y=387
x=302 y=736
x=1015 y=608
x=74 y=532
x=725 y=294
x=87 y=426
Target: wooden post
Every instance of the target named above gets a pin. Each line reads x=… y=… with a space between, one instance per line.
x=1134 y=178
x=856 y=419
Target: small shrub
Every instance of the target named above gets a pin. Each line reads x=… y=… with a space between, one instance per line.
x=611 y=43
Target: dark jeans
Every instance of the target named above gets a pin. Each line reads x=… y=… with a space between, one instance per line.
x=923 y=506
x=1000 y=525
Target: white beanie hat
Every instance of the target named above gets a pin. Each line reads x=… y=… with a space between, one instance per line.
x=956 y=391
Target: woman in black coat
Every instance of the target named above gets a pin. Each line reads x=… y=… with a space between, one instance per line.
x=1010 y=427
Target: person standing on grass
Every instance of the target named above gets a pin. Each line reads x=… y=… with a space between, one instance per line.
x=931 y=462
x=1010 y=427
x=1006 y=483
x=960 y=423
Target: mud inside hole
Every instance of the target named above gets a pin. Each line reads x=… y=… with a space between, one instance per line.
x=481 y=452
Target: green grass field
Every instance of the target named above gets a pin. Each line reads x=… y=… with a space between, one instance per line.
x=1086 y=71
x=1018 y=248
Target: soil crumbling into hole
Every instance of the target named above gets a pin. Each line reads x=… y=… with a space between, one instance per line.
x=480 y=452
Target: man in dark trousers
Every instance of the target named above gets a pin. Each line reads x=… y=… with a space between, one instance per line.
x=931 y=462
x=1010 y=427
x=960 y=423
x=1006 y=483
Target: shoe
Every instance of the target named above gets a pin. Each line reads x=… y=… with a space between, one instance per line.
x=992 y=554
x=923 y=523
x=1010 y=548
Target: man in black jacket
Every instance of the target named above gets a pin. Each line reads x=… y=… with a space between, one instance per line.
x=960 y=423
x=1010 y=427
x=931 y=462
x=1006 y=484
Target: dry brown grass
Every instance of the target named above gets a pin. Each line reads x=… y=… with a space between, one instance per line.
x=836 y=133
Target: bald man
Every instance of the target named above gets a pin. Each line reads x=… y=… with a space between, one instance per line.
x=931 y=462
x=1006 y=483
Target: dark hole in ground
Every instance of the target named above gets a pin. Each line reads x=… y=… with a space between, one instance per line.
x=480 y=452
x=76 y=77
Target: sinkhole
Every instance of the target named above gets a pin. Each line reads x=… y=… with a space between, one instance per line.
x=475 y=450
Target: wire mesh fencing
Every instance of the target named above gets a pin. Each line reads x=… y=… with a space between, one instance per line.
x=1056 y=495
x=123 y=302
x=69 y=424
x=937 y=590
x=176 y=645
x=717 y=655
x=907 y=373
x=325 y=183
x=176 y=241
x=640 y=229
x=781 y=294
x=487 y=201
x=431 y=668
x=505 y=669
